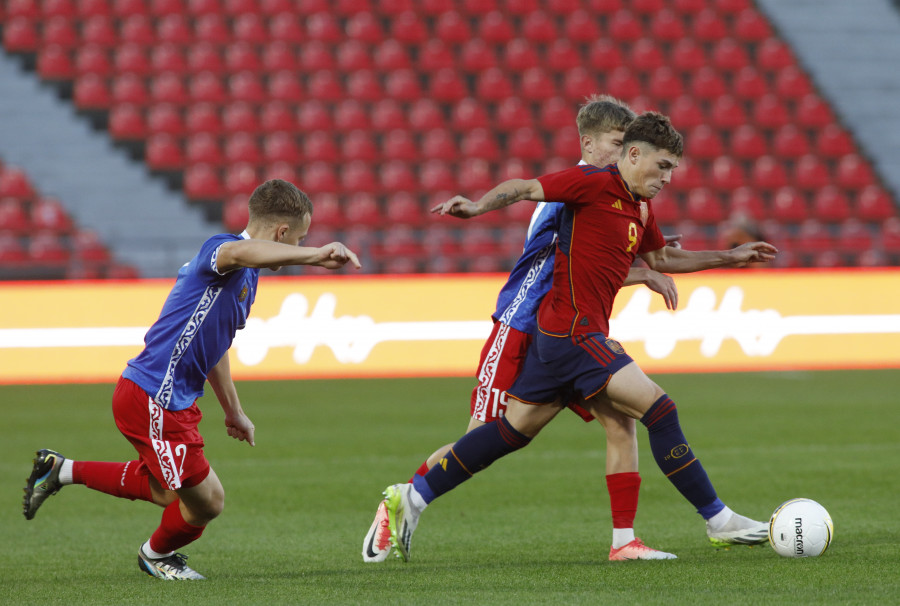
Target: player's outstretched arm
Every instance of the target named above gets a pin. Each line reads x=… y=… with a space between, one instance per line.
x=237 y=423
x=656 y=282
x=678 y=261
x=508 y=192
x=263 y=253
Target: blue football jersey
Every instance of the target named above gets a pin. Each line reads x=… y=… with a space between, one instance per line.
x=195 y=329
x=532 y=275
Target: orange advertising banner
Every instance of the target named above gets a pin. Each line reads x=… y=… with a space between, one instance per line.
x=378 y=326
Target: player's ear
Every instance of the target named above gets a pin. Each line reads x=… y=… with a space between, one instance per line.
x=281 y=232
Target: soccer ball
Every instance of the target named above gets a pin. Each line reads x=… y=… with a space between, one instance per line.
x=800 y=528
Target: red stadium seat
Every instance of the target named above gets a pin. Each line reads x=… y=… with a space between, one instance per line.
x=285 y=172
x=404 y=208
x=285 y=27
x=207 y=87
x=562 y=56
x=240 y=117
x=138 y=29
x=526 y=143
x=726 y=174
x=749 y=84
x=364 y=27
x=666 y=25
x=362 y=209
x=28 y=9
x=351 y=115
x=204 y=7
x=648 y=7
x=281 y=147
x=399 y=243
x=240 y=178
x=728 y=113
x=703 y=142
x=832 y=141
x=390 y=56
x=729 y=55
x=324 y=27
x=439 y=144
x=87 y=247
x=646 y=55
x=132 y=58
x=687 y=55
x=387 y=115
x=403 y=85
x=665 y=83
x=397 y=176
x=316 y=56
x=169 y=88
x=790 y=142
x=48 y=214
x=314 y=116
x=690 y=175
x=47 y=248
x=792 y=83
x=55 y=63
x=704 y=206
x=520 y=55
x=277 y=116
x=163 y=8
x=474 y=175
x=20 y=35
x=476 y=56
x=203 y=182
x=495 y=28
x=452 y=28
x=319 y=177
x=409 y=28
x=746 y=201
x=279 y=55
x=163 y=153
x=890 y=236
x=360 y=145
x=206 y=56
x=92 y=59
x=666 y=208
x=565 y=143
x=707 y=84
x=512 y=114
x=624 y=26
x=242 y=56
x=236 y=215
x=813 y=112
x=874 y=204
x=127 y=123
x=447 y=86
x=708 y=26
x=751 y=26
x=96 y=30
x=770 y=112
x=127 y=88
x=319 y=146
x=539 y=28
x=605 y=55
x=789 y=205
x=773 y=55
x=731 y=7
x=814 y=238
x=556 y=112
x=810 y=173
x=212 y=28
x=578 y=83
x=353 y=56
x=493 y=85
x=425 y=115
x=479 y=241
x=747 y=143
x=480 y=144
x=175 y=29
x=203 y=148
x=285 y=86
x=325 y=85
x=13 y=216
x=831 y=205
x=12 y=252
x=436 y=176
x=769 y=173
x=469 y=114
x=328 y=211
x=168 y=57
x=686 y=113
x=854 y=172
x=165 y=118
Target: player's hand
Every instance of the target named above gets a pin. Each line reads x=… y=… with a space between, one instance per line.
x=674 y=240
x=457 y=206
x=752 y=252
x=240 y=427
x=665 y=286
x=335 y=256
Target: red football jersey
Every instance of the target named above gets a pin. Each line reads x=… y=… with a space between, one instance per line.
x=603 y=228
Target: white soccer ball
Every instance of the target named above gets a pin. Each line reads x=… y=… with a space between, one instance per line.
x=800 y=528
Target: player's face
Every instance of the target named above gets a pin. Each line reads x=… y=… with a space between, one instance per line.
x=652 y=170
x=601 y=149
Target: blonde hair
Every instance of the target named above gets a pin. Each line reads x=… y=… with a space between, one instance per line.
x=603 y=114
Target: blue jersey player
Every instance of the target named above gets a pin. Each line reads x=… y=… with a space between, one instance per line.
x=601 y=122
x=154 y=403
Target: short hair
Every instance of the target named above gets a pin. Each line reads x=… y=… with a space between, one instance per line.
x=657 y=130
x=278 y=200
x=603 y=114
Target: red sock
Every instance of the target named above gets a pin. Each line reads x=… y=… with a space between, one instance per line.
x=117 y=479
x=623 y=497
x=421 y=471
x=174 y=532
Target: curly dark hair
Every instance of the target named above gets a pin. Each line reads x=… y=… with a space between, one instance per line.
x=657 y=130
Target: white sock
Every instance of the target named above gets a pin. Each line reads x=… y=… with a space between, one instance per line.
x=622 y=537
x=153 y=555
x=416 y=500
x=65 y=472
x=720 y=519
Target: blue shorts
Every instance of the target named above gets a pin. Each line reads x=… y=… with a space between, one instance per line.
x=580 y=365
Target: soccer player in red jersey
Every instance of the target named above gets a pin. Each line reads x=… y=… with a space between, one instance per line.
x=154 y=404
x=608 y=221
x=601 y=123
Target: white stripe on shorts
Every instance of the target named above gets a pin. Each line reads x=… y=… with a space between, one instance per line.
x=162 y=448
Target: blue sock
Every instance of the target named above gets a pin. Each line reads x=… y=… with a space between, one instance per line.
x=675 y=458
x=473 y=452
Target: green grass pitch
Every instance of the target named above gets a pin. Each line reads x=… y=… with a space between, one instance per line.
x=532 y=529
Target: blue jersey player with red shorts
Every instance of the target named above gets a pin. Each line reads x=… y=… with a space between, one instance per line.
x=154 y=403
x=608 y=221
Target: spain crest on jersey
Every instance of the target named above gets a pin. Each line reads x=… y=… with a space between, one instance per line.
x=645 y=212
x=244 y=292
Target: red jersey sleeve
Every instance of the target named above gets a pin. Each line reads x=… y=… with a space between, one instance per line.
x=653 y=238
x=579 y=185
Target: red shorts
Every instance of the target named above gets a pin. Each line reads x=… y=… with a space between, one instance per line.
x=501 y=361
x=169 y=446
